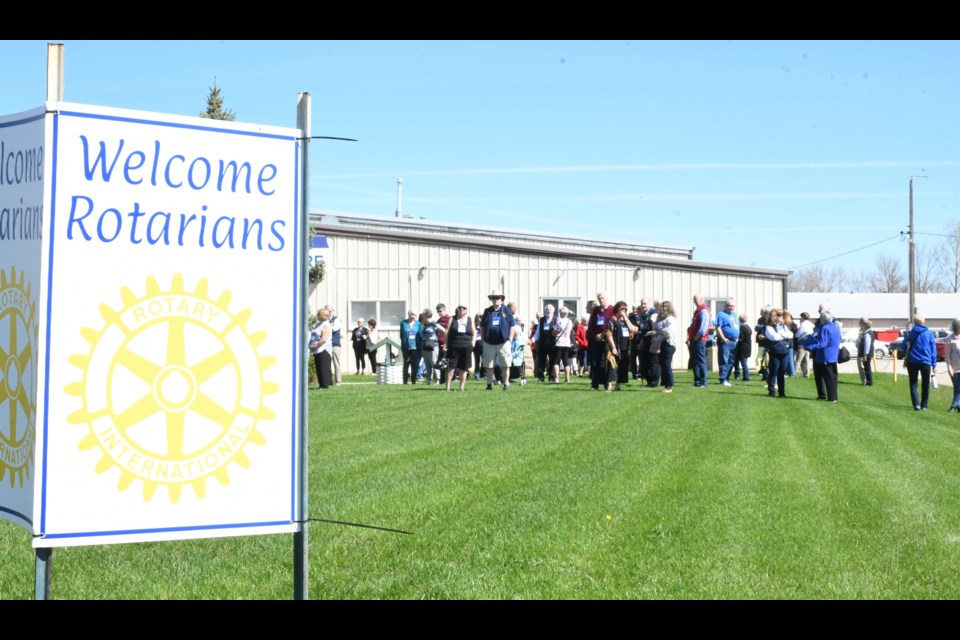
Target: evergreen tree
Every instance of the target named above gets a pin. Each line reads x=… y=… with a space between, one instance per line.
x=318 y=271
x=215 y=110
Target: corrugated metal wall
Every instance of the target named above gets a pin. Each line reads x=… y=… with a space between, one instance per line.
x=422 y=275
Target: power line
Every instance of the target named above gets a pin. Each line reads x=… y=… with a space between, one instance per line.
x=846 y=253
x=939 y=235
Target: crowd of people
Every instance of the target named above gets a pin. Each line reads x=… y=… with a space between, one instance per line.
x=614 y=343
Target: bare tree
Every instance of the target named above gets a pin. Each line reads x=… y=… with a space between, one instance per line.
x=949 y=255
x=888 y=276
x=817 y=278
x=927 y=270
x=857 y=281
x=805 y=280
x=835 y=279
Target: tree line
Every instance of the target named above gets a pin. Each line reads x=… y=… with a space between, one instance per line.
x=936 y=270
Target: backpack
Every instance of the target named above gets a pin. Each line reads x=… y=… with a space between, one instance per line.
x=429 y=336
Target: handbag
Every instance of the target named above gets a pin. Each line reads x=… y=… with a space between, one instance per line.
x=904 y=350
x=655 y=344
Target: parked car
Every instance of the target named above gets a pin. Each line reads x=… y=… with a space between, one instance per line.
x=851 y=346
x=881 y=349
x=849 y=335
x=893 y=347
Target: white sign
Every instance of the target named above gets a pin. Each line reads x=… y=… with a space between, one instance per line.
x=169 y=333
x=21 y=213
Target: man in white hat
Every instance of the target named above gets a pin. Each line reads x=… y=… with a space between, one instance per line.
x=498 y=328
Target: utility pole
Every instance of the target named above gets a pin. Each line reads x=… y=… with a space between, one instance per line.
x=912 y=260
x=911 y=268
x=399 y=197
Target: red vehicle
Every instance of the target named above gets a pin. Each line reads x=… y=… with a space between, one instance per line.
x=886 y=335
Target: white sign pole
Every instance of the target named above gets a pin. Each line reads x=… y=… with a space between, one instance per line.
x=301 y=561
x=44 y=557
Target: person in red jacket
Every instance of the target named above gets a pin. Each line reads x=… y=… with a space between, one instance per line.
x=596 y=329
x=443 y=324
x=580 y=335
x=697 y=335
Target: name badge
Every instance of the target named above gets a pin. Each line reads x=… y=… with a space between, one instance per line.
x=625 y=332
x=412 y=336
x=600 y=321
x=546 y=325
x=496 y=322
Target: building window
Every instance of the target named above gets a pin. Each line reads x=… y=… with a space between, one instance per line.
x=716 y=305
x=573 y=304
x=388 y=313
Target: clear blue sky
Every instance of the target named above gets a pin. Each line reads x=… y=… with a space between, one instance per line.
x=774 y=154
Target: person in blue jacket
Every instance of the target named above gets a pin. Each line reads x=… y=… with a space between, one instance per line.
x=411 y=345
x=824 y=345
x=921 y=358
x=499 y=328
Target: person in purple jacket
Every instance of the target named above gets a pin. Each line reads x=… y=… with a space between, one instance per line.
x=824 y=344
x=921 y=346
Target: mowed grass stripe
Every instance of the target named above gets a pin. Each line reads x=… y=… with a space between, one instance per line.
x=692 y=527
x=867 y=503
x=521 y=455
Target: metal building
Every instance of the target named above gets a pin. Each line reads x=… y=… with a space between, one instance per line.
x=382 y=267
x=884 y=309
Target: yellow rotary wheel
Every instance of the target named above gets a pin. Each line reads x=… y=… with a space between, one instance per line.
x=18 y=377
x=173 y=388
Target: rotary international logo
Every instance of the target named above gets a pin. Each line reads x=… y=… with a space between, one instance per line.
x=173 y=388
x=18 y=409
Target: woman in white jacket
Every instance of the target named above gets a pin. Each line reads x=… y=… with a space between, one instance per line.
x=664 y=342
x=779 y=340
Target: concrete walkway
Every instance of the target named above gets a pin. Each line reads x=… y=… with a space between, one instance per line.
x=886 y=366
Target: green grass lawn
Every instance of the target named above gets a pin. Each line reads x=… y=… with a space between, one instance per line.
x=561 y=492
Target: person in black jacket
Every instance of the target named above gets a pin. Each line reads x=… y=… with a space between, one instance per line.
x=649 y=366
x=461 y=340
x=744 y=351
x=760 y=334
x=545 y=339
x=358 y=337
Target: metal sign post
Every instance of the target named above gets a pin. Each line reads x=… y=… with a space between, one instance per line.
x=301 y=563
x=44 y=557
